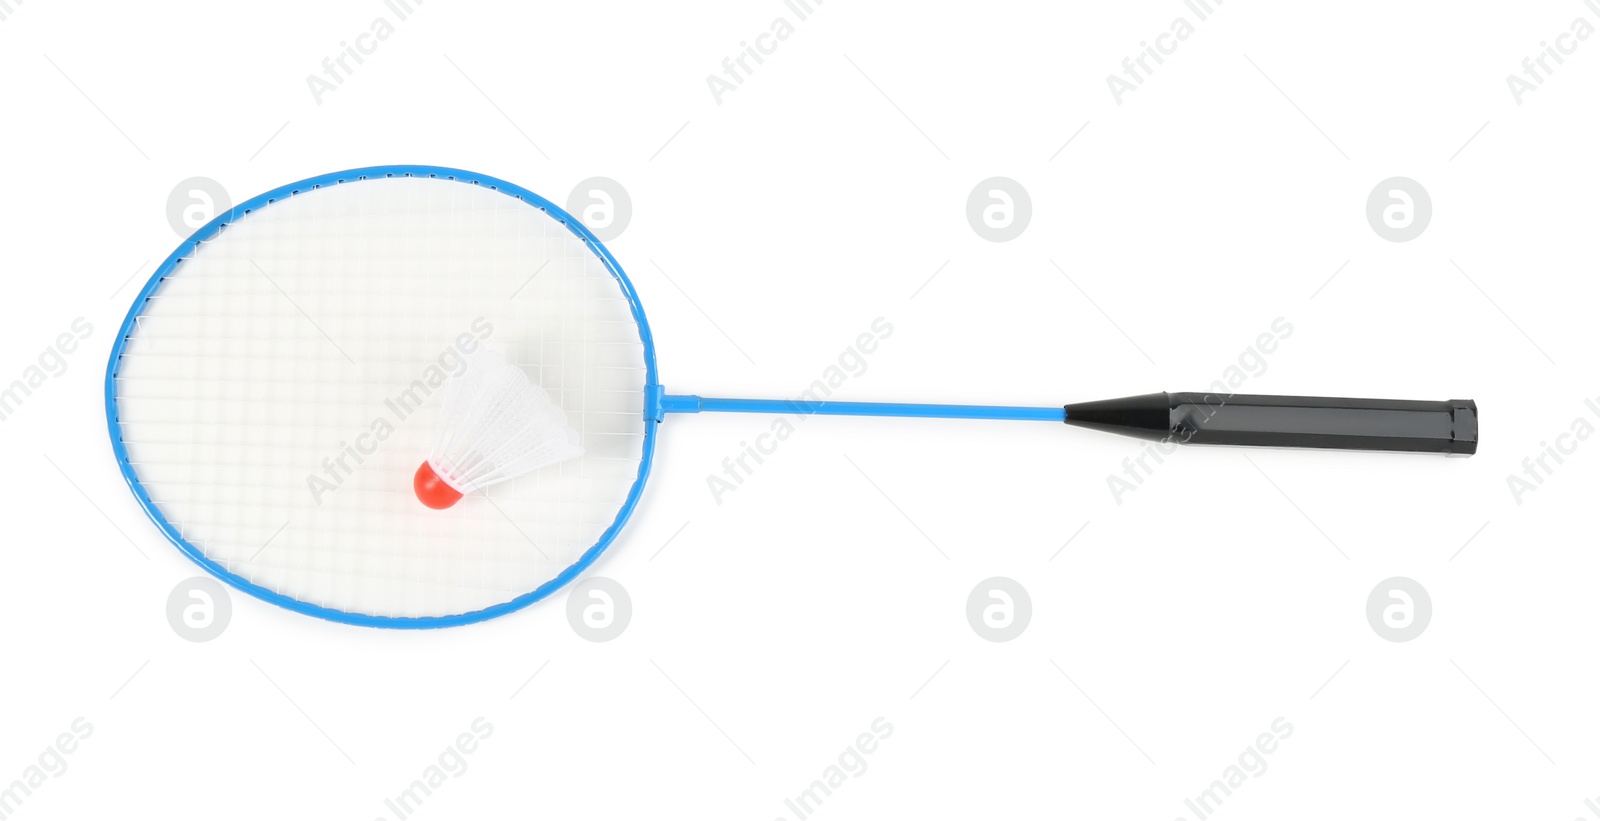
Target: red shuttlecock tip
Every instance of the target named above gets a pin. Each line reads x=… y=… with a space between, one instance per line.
x=432 y=490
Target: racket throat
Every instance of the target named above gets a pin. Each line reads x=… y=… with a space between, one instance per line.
x=658 y=403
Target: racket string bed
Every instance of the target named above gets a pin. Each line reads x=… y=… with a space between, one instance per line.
x=257 y=369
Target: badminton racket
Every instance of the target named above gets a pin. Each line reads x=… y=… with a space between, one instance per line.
x=279 y=377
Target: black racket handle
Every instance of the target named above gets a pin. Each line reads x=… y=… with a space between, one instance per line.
x=1449 y=427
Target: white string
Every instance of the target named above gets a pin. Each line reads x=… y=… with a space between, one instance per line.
x=235 y=388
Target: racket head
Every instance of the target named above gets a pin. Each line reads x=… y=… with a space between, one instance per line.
x=289 y=596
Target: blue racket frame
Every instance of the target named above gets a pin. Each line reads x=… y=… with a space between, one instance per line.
x=211 y=229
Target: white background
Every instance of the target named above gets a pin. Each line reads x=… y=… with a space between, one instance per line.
x=1228 y=590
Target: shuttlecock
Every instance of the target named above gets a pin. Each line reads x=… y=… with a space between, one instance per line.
x=496 y=425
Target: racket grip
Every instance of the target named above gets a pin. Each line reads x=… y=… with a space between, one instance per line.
x=1449 y=427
